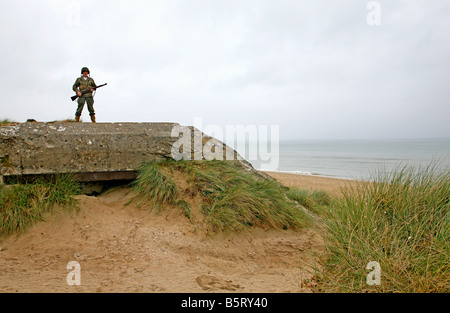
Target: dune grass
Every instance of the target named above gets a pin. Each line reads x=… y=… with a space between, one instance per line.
x=232 y=199
x=400 y=220
x=311 y=200
x=157 y=187
x=22 y=205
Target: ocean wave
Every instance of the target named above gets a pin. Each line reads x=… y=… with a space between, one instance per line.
x=298 y=172
x=310 y=174
x=287 y=172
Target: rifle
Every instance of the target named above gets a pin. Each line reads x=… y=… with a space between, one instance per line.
x=86 y=91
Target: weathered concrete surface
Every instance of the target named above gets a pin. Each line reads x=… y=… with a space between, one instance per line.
x=93 y=152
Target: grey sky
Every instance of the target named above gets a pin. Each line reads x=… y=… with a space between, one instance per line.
x=315 y=68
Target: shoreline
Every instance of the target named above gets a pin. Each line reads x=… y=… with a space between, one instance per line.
x=311 y=175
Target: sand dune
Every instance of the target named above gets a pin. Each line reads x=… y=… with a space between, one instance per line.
x=125 y=249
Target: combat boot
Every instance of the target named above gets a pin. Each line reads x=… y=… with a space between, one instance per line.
x=77 y=118
x=93 y=118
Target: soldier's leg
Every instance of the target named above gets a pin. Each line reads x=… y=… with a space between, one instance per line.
x=90 y=105
x=81 y=101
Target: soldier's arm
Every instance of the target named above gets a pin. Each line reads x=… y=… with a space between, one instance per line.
x=75 y=86
x=93 y=83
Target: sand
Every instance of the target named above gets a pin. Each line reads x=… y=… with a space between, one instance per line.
x=313 y=182
x=121 y=248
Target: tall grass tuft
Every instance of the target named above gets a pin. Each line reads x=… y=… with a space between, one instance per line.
x=302 y=196
x=232 y=199
x=22 y=205
x=155 y=186
x=321 y=197
x=400 y=220
x=317 y=201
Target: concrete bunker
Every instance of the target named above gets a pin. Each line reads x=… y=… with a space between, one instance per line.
x=100 y=153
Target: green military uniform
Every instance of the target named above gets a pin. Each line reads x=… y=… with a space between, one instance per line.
x=80 y=85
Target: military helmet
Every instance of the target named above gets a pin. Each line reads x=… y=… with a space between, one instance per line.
x=85 y=69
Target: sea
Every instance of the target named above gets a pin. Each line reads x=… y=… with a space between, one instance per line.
x=352 y=159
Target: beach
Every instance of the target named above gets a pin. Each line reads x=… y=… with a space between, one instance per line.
x=312 y=182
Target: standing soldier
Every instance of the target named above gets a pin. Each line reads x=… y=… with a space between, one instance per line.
x=84 y=83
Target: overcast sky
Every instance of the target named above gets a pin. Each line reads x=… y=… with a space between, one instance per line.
x=316 y=68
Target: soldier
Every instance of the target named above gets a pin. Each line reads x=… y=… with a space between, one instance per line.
x=83 y=83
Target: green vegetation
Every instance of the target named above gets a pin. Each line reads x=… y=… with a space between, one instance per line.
x=22 y=205
x=6 y=121
x=316 y=201
x=158 y=187
x=400 y=220
x=232 y=199
x=321 y=197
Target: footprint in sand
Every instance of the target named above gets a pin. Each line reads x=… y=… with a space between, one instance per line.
x=208 y=282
